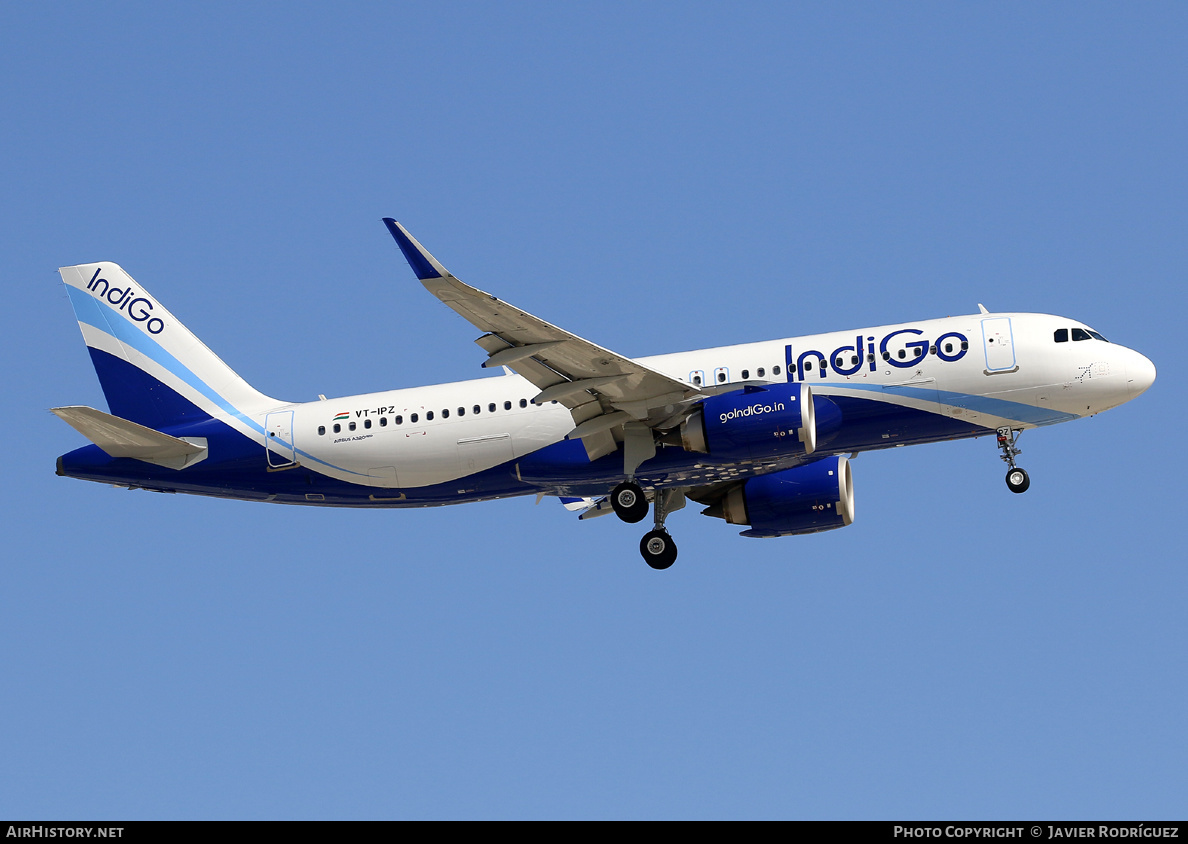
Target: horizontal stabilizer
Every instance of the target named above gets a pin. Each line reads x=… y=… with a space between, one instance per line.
x=587 y=508
x=597 y=508
x=121 y=438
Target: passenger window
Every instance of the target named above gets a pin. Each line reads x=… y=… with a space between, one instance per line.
x=351 y=426
x=1061 y=335
x=964 y=345
x=837 y=362
x=948 y=348
x=775 y=370
x=523 y=402
x=886 y=356
x=746 y=373
x=721 y=377
x=491 y=407
x=383 y=421
x=507 y=405
x=428 y=415
x=854 y=360
x=1080 y=334
x=919 y=351
x=413 y=418
x=870 y=357
x=321 y=430
x=399 y=420
x=461 y=411
x=337 y=428
x=366 y=423
x=697 y=380
x=932 y=350
x=902 y=354
x=808 y=366
x=760 y=371
x=478 y=408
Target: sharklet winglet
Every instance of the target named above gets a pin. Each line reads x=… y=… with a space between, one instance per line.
x=422 y=263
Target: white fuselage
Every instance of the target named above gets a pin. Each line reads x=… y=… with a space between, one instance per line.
x=1011 y=372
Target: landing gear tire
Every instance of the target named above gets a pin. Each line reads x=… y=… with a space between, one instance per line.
x=1017 y=480
x=629 y=502
x=658 y=549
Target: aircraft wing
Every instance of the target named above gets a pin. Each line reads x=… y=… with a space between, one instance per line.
x=603 y=390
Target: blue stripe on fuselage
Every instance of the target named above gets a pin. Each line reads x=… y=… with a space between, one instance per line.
x=1028 y=414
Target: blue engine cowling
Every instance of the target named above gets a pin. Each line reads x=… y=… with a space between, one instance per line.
x=804 y=499
x=758 y=422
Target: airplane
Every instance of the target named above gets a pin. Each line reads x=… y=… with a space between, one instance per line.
x=760 y=434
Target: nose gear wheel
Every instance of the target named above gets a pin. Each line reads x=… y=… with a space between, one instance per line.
x=1016 y=478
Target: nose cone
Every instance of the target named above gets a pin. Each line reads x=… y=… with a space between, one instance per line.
x=1140 y=373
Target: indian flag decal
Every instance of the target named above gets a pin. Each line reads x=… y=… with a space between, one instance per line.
x=342 y=416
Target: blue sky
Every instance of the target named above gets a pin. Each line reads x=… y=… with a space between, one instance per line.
x=654 y=177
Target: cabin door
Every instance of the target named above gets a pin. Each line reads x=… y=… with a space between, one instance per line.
x=279 y=445
x=999 y=344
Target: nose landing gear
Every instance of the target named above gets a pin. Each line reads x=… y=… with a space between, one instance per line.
x=1016 y=478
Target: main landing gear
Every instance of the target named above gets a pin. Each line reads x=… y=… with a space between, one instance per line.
x=631 y=505
x=658 y=549
x=629 y=502
x=1016 y=478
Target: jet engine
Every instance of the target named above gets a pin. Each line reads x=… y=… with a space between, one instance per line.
x=758 y=422
x=804 y=499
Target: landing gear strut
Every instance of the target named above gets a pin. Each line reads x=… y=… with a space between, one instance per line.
x=1016 y=478
x=657 y=547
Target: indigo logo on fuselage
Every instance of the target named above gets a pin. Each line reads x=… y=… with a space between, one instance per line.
x=847 y=360
x=137 y=307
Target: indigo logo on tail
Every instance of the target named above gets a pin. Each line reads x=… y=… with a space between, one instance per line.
x=138 y=308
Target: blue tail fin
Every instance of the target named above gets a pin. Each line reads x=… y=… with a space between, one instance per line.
x=152 y=369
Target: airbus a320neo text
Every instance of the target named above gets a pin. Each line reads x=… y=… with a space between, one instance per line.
x=759 y=434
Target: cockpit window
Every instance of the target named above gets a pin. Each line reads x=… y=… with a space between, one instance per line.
x=1080 y=334
x=1097 y=336
x=1061 y=335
